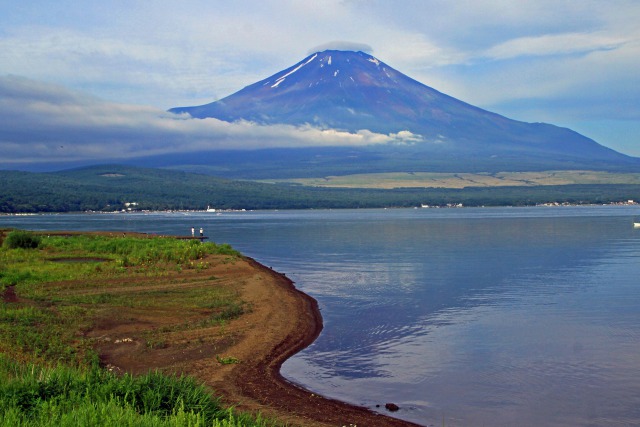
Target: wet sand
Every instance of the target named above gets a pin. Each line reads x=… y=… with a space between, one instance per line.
x=294 y=322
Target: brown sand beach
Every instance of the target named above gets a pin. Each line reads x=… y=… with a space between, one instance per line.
x=239 y=360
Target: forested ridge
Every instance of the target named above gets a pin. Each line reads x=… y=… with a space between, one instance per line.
x=109 y=187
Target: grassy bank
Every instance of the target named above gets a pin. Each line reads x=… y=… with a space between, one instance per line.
x=56 y=292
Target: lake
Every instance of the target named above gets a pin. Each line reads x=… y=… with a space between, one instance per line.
x=467 y=317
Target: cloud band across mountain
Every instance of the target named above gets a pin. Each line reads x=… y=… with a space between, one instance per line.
x=45 y=123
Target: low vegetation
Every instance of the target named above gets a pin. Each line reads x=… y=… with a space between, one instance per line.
x=55 y=289
x=465 y=180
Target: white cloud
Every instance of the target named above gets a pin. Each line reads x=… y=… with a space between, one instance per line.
x=42 y=123
x=341 y=45
x=554 y=44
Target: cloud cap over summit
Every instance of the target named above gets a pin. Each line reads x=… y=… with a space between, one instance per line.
x=342 y=45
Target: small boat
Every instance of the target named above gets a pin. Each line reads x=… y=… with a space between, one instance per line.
x=636 y=225
x=210 y=209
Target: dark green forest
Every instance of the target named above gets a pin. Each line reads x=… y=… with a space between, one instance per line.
x=108 y=188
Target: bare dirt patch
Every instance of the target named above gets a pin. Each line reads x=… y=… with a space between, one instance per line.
x=9 y=294
x=78 y=259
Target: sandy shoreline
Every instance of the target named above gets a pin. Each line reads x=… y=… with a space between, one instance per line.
x=261 y=385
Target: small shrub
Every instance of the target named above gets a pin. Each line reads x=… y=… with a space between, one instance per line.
x=228 y=360
x=202 y=266
x=230 y=311
x=156 y=343
x=21 y=239
x=226 y=249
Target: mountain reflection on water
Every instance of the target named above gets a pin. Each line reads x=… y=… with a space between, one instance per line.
x=501 y=316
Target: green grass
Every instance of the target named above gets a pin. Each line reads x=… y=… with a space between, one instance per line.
x=31 y=395
x=132 y=251
x=30 y=268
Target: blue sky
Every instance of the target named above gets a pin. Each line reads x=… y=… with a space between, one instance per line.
x=104 y=72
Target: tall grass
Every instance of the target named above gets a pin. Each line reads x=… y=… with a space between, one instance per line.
x=60 y=396
x=136 y=250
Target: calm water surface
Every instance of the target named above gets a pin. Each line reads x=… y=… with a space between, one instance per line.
x=501 y=317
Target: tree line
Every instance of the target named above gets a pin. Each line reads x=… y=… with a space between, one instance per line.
x=109 y=188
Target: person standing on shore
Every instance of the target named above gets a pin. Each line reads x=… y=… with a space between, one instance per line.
x=193 y=232
x=201 y=232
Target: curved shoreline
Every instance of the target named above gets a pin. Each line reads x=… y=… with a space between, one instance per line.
x=262 y=383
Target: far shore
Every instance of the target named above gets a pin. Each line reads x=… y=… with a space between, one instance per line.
x=422 y=206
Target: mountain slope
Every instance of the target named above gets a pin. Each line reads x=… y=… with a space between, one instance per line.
x=354 y=91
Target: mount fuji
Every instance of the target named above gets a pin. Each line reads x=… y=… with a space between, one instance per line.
x=354 y=91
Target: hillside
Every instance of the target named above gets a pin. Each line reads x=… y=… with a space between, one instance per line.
x=467 y=180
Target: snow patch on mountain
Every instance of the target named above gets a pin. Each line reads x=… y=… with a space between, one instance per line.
x=282 y=78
